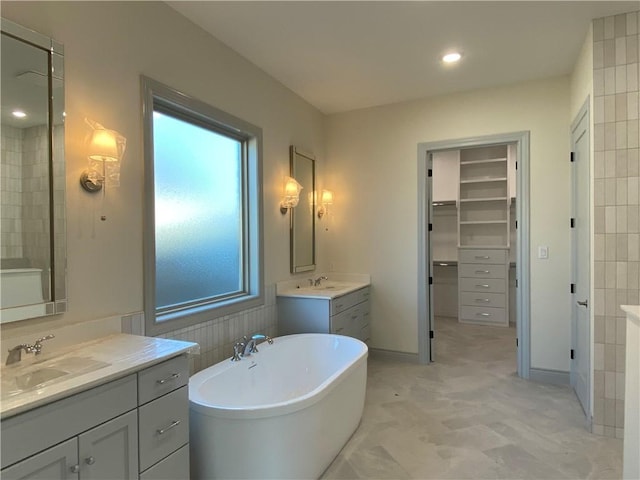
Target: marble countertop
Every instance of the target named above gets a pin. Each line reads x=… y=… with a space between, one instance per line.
x=107 y=359
x=336 y=285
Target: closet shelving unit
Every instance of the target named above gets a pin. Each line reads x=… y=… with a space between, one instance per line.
x=484 y=235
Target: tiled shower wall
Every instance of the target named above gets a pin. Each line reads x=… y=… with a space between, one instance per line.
x=35 y=198
x=616 y=241
x=11 y=215
x=217 y=336
x=25 y=195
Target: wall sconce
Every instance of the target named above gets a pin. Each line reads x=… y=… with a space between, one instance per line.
x=291 y=195
x=325 y=200
x=106 y=148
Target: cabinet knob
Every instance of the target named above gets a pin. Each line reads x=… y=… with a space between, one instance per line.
x=75 y=468
x=90 y=460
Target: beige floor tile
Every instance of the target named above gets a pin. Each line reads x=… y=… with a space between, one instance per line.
x=468 y=415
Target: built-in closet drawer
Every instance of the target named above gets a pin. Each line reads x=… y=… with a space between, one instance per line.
x=482 y=256
x=481 y=271
x=483 y=315
x=483 y=285
x=483 y=299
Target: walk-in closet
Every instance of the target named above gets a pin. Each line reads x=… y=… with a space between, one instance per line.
x=473 y=237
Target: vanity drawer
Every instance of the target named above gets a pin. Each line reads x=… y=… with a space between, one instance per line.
x=363 y=295
x=482 y=256
x=42 y=427
x=497 y=300
x=340 y=323
x=483 y=315
x=174 y=466
x=160 y=379
x=484 y=285
x=340 y=304
x=482 y=271
x=163 y=427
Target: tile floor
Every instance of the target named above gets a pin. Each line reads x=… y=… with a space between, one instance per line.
x=469 y=416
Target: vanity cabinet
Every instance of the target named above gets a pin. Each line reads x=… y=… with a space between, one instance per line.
x=347 y=314
x=130 y=428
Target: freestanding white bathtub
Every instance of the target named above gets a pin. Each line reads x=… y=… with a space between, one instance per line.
x=284 y=412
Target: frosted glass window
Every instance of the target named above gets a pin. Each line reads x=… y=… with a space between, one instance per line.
x=198 y=213
x=203 y=211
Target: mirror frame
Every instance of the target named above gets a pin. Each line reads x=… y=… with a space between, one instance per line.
x=57 y=303
x=301 y=215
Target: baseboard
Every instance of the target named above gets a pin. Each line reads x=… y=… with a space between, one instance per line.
x=381 y=354
x=555 y=377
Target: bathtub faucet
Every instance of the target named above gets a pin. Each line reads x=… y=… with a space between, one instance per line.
x=251 y=345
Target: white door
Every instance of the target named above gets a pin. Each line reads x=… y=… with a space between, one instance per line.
x=581 y=333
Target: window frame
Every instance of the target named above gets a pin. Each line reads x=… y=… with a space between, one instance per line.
x=187 y=108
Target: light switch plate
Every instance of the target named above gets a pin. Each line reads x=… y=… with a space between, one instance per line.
x=543 y=252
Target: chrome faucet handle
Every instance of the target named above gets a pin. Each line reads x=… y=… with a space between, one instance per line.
x=36 y=348
x=238 y=348
x=310 y=280
x=15 y=353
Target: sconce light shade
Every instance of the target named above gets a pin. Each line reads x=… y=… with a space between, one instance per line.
x=103 y=145
x=106 y=148
x=291 y=195
x=325 y=200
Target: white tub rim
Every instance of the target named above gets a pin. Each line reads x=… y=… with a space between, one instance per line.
x=198 y=404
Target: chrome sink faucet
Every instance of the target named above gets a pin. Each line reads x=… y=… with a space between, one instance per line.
x=251 y=345
x=15 y=353
x=318 y=281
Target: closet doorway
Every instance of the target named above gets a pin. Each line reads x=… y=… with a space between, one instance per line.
x=473 y=261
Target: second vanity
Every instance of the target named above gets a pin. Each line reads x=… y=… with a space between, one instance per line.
x=338 y=304
x=125 y=418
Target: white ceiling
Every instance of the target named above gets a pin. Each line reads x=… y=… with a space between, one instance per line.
x=341 y=55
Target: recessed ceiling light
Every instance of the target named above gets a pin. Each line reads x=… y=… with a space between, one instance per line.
x=19 y=114
x=451 y=57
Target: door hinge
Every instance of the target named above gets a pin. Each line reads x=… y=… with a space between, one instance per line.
x=430 y=280
x=516 y=283
x=573 y=288
x=516 y=224
x=516 y=165
x=573 y=223
x=573 y=354
x=430 y=173
x=572 y=157
x=431 y=227
x=431 y=335
x=517 y=343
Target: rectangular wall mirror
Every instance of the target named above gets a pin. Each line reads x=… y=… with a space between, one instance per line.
x=303 y=238
x=33 y=251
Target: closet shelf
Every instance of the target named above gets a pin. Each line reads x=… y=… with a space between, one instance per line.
x=478 y=162
x=486 y=199
x=484 y=180
x=484 y=222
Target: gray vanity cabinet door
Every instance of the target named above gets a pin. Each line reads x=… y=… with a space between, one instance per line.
x=56 y=463
x=110 y=451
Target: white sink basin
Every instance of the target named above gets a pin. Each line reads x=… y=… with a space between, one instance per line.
x=18 y=379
